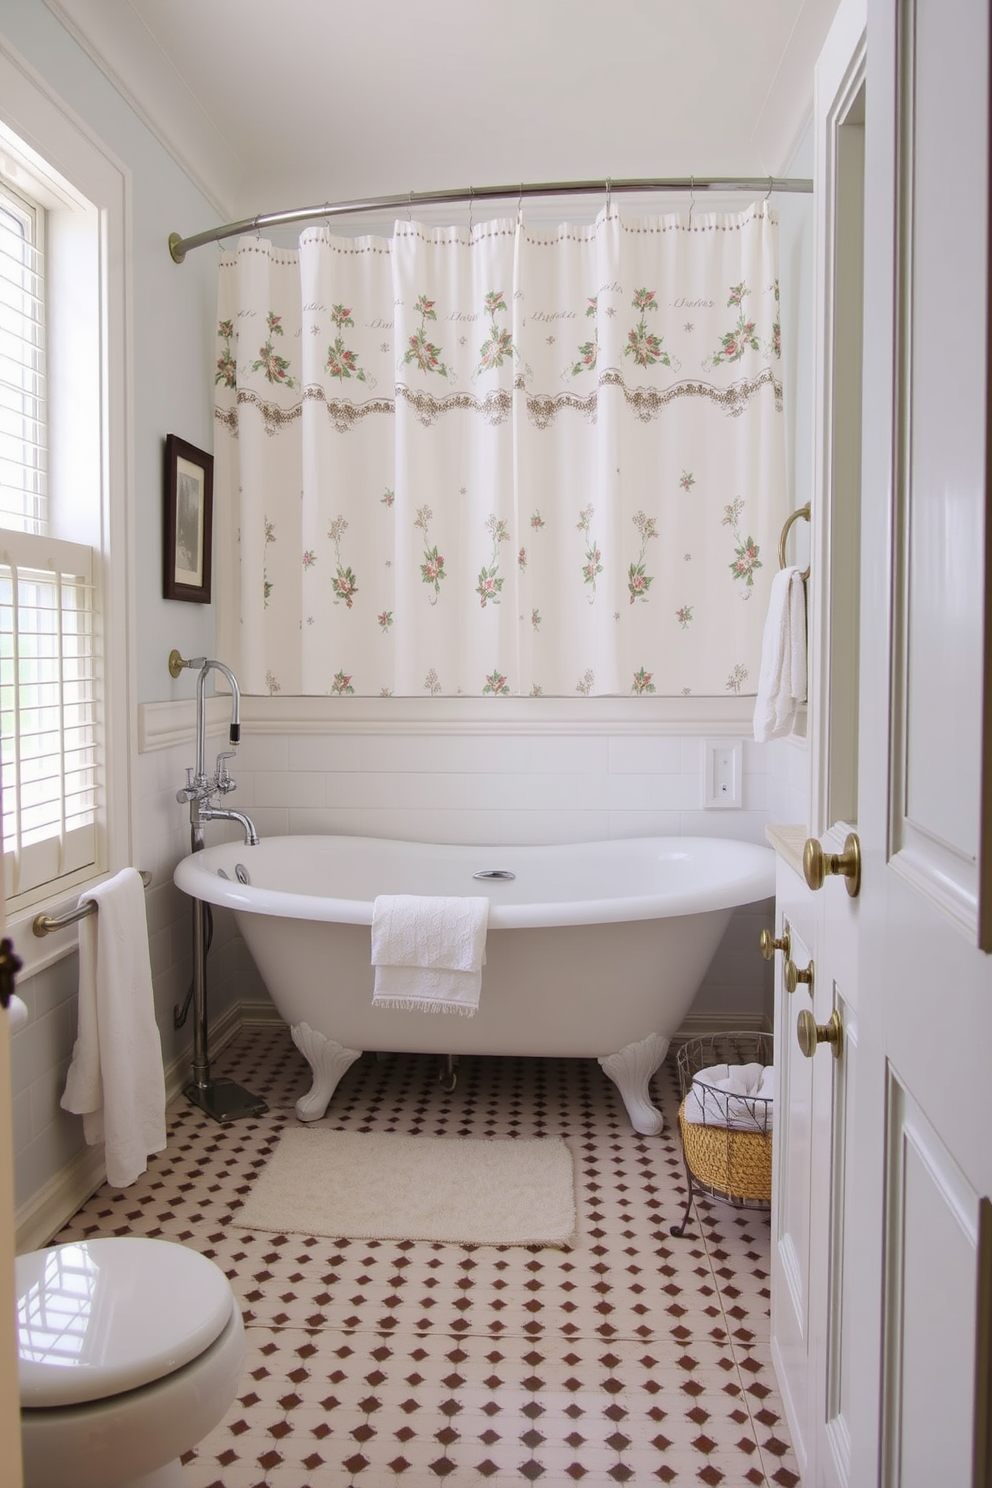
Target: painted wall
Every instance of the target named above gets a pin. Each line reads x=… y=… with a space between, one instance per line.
x=526 y=788
x=171 y=316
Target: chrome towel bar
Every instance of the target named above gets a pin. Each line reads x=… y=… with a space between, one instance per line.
x=45 y=924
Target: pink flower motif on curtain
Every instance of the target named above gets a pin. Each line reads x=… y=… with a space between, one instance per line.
x=593 y=564
x=227 y=372
x=432 y=568
x=589 y=350
x=275 y=367
x=490 y=580
x=642 y=345
x=421 y=352
x=345 y=583
x=496 y=685
x=684 y=616
x=687 y=480
x=775 y=347
x=341 y=362
x=638 y=580
x=737 y=678
x=498 y=345
x=642 y=682
x=742 y=338
x=341 y=685
x=267 y=586
x=746 y=560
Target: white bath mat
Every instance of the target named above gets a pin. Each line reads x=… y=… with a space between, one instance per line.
x=384 y=1186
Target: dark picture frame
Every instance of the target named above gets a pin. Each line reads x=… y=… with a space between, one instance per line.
x=188 y=530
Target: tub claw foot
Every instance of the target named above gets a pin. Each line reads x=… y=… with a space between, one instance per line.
x=631 y=1070
x=328 y=1061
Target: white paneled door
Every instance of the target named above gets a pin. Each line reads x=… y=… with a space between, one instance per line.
x=893 y=1385
x=922 y=1161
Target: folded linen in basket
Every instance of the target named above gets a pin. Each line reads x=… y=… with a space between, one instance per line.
x=429 y=952
x=737 y=1095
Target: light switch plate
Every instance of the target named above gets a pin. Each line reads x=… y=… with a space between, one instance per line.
x=723 y=766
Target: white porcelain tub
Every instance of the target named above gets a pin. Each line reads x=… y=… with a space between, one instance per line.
x=594 y=949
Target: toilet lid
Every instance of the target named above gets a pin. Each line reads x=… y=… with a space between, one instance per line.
x=97 y=1317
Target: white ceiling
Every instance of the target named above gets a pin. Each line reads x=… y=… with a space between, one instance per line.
x=276 y=104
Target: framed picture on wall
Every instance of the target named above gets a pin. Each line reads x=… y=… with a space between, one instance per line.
x=189 y=495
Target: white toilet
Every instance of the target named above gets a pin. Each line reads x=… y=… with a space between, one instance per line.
x=129 y=1352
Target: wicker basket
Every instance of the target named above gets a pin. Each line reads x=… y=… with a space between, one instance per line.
x=723 y=1161
x=735 y=1164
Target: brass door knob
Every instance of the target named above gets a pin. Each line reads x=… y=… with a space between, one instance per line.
x=817 y=864
x=792 y=976
x=812 y=1034
x=768 y=944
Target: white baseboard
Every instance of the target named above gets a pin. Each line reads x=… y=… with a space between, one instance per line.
x=705 y=1025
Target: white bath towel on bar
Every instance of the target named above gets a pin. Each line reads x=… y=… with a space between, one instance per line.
x=429 y=952
x=782 y=680
x=116 y=1081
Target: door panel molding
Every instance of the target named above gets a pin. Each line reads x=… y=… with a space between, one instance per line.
x=930 y=1228
x=938 y=506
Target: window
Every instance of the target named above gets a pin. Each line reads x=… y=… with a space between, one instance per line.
x=49 y=724
x=23 y=419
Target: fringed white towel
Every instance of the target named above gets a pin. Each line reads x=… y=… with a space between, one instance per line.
x=428 y=953
x=782 y=680
x=737 y=1095
x=116 y=1081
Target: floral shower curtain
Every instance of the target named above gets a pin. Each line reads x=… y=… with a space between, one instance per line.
x=501 y=462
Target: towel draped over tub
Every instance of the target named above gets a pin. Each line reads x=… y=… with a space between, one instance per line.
x=428 y=952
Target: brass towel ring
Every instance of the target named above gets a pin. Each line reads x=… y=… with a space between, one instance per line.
x=800 y=511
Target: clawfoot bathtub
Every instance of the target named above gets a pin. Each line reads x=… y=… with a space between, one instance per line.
x=594 y=950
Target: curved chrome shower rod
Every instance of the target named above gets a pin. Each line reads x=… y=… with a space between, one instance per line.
x=180 y=246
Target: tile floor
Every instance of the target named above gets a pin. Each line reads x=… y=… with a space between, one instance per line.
x=636 y=1357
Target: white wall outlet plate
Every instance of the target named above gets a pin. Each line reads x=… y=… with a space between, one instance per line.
x=723 y=773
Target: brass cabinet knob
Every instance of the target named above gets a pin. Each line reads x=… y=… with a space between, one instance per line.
x=792 y=976
x=817 y=864
x=812 y=1034
x=768 y=945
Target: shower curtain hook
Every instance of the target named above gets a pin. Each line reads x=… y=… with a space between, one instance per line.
x=409 y=203
x=520 y=206
x=609 y=194
x=692 y=197
x=471 y=207
x=768 y=193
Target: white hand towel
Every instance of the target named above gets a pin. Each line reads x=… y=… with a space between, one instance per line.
x=737 y=1095
x=428 y=952
x=116 y=1081
x=782 y=680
